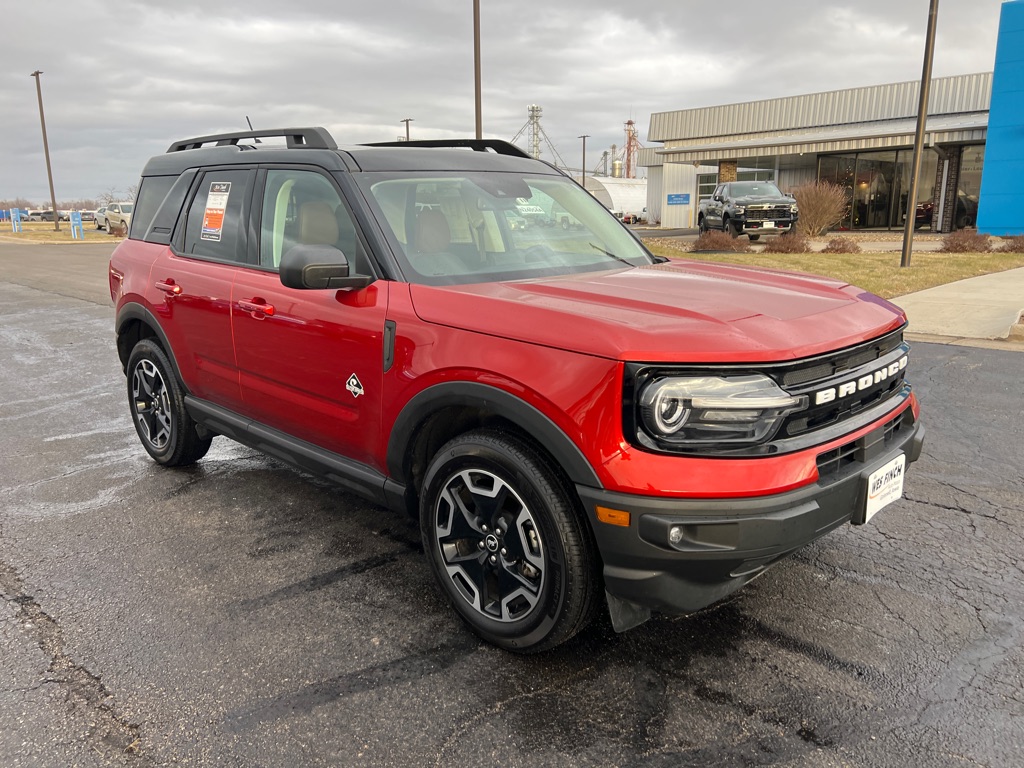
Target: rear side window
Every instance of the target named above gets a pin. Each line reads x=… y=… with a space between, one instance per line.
x=215 y=227
x=152 y=191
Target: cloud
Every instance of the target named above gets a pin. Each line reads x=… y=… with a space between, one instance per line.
x=122 y=82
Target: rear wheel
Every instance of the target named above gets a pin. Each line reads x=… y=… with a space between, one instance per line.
x=157 y=404
x=505 y=543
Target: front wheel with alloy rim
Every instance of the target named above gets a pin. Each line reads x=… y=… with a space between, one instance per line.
x=506 y=544
x=157 y=404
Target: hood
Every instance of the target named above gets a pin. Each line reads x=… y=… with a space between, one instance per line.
x=757 y=199
x=678 y=312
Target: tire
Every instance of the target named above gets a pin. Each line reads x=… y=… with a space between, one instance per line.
x=754 y=238
x=728 y=228
x=505 y=543
x=157 y=404
x=702 y=225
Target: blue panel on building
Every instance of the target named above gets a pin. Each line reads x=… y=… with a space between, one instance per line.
x=679 y=199
x=1001 y=205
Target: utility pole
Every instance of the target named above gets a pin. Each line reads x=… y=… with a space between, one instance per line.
x=46 y=152
x=922 y=117
x=476 y=68
x=406 y=120
x=583 y=169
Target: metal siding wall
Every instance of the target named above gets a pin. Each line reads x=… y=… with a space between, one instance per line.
x=961 y=93
x=1001 y=204
x=678 y=178
x=794 y=177
x=655 y=196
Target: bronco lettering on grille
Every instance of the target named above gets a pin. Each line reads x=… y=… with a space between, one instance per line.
x=861 y=383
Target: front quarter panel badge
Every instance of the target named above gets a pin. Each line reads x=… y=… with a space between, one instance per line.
x=354 y=386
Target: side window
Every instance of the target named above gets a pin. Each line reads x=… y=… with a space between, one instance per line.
x=215 y=227
x=304 y=208
x=152 y=192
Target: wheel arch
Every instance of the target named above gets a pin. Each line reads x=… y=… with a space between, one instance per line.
x=134 y=323
x=439 y=413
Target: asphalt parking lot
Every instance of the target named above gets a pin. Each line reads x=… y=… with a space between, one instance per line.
x=239 y=613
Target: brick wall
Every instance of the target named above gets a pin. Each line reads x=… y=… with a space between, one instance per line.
x=726 y=171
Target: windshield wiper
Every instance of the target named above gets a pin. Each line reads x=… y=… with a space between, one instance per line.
x=612 y=255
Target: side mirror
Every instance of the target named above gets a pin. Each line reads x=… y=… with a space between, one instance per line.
x=318 y=266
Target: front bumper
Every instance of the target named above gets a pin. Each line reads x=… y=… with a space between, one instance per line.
x=727 y=542
x=769 y=227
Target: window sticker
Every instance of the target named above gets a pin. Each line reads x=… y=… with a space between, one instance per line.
x=216 y=204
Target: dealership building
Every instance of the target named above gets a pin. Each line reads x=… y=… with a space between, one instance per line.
x=861 y=139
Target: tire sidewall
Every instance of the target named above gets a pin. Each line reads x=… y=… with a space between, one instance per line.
x=529 y=482
x=147 y=350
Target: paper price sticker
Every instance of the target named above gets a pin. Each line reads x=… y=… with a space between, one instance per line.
x=216 y=204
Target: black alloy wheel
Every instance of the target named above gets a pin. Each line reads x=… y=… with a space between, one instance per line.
x=157 y=405
x=506 y=544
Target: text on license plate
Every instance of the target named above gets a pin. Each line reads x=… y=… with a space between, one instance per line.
x=885 y=485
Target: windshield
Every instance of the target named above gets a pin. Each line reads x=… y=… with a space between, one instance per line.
x=756 y=188
x=484 y=227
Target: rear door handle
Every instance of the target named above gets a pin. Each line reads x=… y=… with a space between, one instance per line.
x=256 y=306
x=168 y=286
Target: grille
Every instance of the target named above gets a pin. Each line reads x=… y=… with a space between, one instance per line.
x=832 y=463
x=768 y=214
x=816 y=416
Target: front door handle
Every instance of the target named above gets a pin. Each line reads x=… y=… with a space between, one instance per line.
x=256 y=307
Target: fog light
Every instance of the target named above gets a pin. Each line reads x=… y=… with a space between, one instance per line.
x=675 y=534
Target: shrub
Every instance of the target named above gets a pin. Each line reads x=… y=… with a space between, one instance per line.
x=965 y=241
x=822 y=205
x=715 y=240
x=841 y=245
x=788 y=243
x=1012 y=244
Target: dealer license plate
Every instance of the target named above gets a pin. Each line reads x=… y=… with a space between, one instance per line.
x=885 y=485
x=768 y=225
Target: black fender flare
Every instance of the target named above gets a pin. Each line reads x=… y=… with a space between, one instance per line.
x=500 y=403
x=135 y=311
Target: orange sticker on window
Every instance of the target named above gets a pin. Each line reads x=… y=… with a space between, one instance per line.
x=216 y=204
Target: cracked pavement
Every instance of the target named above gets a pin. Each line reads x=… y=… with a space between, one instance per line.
x=238 y=613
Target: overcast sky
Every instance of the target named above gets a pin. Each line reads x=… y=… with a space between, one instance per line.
x=122 y=80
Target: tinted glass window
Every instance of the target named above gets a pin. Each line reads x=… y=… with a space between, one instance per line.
x=152 y=192
x=215 y=227
x=304 y=208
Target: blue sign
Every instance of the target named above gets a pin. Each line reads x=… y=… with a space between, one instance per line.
x=76 y=226
x=15 y=219
x=683 y=199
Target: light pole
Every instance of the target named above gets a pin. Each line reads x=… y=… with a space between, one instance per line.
x=476 y=68
x=922 y=117
x=583 y=169
x=406 y=120
x=46 y=152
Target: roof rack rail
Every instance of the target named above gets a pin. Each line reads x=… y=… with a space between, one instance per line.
x=477 y=145
x=297 y=138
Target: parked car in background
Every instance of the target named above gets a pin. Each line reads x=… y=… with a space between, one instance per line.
x=119 y=215
x=751 y=208
x=88 y=215
x=100 y=217
x=630 y=217
x=64 y=215
x=33 y=215
x=46 y=216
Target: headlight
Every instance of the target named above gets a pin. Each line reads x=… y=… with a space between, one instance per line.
x=714 y=410
x=739 y=209
x=794 y=209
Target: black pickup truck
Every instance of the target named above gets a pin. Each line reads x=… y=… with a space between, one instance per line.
x=751 y=208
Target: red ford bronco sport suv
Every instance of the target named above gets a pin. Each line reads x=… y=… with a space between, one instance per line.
x=569 y=417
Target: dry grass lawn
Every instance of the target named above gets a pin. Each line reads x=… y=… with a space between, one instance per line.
x=42 y=232
x=879 y=273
